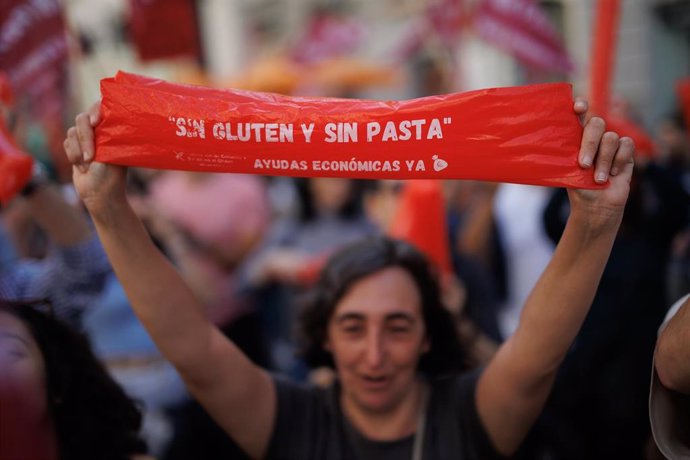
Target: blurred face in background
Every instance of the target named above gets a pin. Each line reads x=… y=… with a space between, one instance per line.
x=377 y=336
x=673 y=143
x=330 y=194
x=22 y=371
x=26 y=427
x=381 y=204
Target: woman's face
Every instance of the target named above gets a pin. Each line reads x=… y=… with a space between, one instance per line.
x=377 y=336
x=330 y=194
x=22 y=370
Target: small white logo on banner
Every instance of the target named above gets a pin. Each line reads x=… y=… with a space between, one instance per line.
x=439 y=164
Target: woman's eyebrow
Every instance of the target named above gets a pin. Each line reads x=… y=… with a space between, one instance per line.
x=354 y=316
x=400 y=316
x=351 y=316
x=12 y=335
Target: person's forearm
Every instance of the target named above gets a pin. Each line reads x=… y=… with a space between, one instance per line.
x=165 y=305
x=66 y=225
x=672 y=356
x=561 y=299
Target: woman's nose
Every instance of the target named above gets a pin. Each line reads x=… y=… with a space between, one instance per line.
x=375 y=349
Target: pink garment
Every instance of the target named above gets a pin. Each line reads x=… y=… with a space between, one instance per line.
x=221 y=209
x=227 y=211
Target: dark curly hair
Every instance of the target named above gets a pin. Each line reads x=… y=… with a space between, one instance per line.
x=350 y=209
x=358 y=261
x=92 y=415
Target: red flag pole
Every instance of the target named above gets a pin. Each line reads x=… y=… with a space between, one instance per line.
x=603 y=55
x=684 y=97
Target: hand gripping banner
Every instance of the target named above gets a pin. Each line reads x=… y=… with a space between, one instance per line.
x=527 y=135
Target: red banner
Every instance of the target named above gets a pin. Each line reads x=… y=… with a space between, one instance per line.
x=524 y=134
x=32 y=40
x=521 y=28
x=15 y=166
x=684 y=97
x=164 y=28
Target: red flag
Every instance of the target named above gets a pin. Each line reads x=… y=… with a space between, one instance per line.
x=33 y=54
x=444 y=19
x=447 y=19
x=684 y=97
x=327 y=37
x=603 y=55
x=32 y=41
x=603 y=61
x=421 y=220
x=521 y=28
x=6 y=95
x=15 y=166
x=164 y=28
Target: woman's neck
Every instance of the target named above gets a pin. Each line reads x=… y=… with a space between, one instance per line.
x=389 y=425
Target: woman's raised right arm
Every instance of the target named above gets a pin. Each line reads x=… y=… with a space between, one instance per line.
x=216 y=372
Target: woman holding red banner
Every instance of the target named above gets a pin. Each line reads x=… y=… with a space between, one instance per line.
x=375 y=325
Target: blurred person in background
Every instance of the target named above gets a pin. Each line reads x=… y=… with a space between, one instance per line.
x=595 y=415
x=125 y=348
x=673 y=144
x=57 y=402
x=48 y=249
x=526 y=248
x=208 y=224
x=674 y=149
x=73 y=272
x=478 y=254
x=375 y=319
